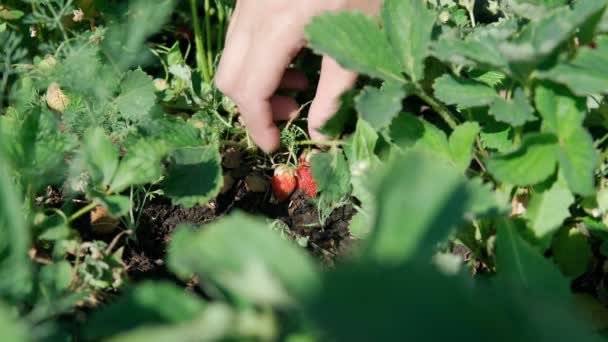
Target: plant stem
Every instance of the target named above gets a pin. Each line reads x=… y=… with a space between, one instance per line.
x=438 y=107
x=321 y=143
x=208 y=38
x=200 y=43
x=82 y=211
x=221 y=16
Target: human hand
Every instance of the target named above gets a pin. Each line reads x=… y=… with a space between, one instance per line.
x=263 y=38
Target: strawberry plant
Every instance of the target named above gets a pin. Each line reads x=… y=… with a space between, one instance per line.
x=464 y=187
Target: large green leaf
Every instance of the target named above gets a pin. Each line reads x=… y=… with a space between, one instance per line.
x=410 y=303
x=540 y=39
x=571 y=252
x=463 y=92
x=331 y=173
x=548 y=210
x=100 y=157
x=480 y=48
x=578 y=160
x=533 y=162
x=515 y=112
x=242 y=254
x=10 y=328
x=141 y=165
x=461 y=144
x=147 y=304
x=15 y=267
x=587 y=73
x=419 y=200
x=563 y=114
x=408 y=26
x=124 y=41
x=194 y=175
x=356 y=42
x=520 y=265
x=380 y=106
x=35 y=147
x=137 y=96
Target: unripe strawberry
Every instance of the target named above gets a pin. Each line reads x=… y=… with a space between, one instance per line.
x=160 y=84
x=102 y=222
x=47 y=64
x=283 y=182
x=55 y=98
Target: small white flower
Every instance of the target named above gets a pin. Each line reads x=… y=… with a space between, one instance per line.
x=78 y=15
x=33 y=31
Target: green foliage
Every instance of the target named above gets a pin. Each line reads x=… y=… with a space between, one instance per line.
x=147 y=304
x=476 y=128
x=194 y=176
x=242 y=255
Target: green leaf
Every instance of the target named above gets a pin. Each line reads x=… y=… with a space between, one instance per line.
x=137 y=96
x=15 y=267
x=521 y=265
x=35 y=147
x=343 y=117
x=481 y=50
x=173 y=131
x=461 y=144
x=356 y=42
x=563 y=114
x=426 y=190
x=146 y=304
x=406 y=130
x=331 y=173
x=194 y=175
x=243 y=255
x=587 y=73
x=548 y=210
x=117 y=205
x=10 y=328
x=141 y=165
x=539 y=40
x=363 y=163
x=533 y=162
x=364 y=142
x=408 y=26
x=124 y=41
x=578 y=160
x=100 y=157
x=572 y=252
x=464 y=93
x=515 y=112
x=55 y=279
x=434 y=300
x=380 y=106
x=559 y=109
x=8 y=14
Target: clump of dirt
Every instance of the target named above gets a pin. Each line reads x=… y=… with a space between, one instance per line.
x=145 y=259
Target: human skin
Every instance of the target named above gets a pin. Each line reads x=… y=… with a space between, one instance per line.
x=263 y=39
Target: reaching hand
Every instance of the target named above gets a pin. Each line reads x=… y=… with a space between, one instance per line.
x=263 y=38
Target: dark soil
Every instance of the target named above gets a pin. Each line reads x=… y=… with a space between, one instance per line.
x=145 y=258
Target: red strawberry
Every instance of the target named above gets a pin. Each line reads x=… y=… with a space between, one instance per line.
x=306 y=182
x=283 y=182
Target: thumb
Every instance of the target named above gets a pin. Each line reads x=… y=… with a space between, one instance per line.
x=334 y=81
